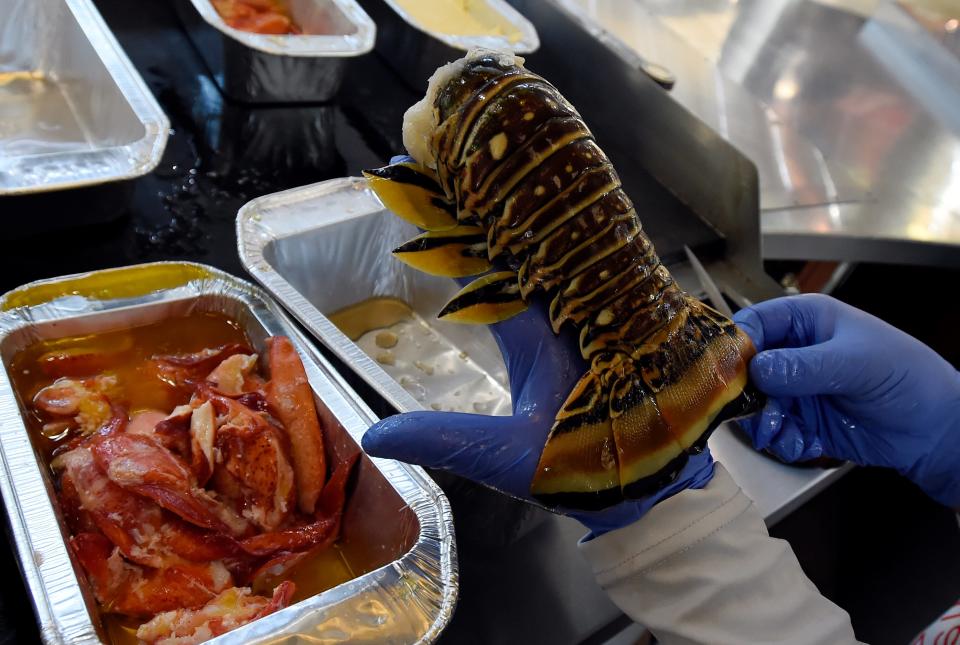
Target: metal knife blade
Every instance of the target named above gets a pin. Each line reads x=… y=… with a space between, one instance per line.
x=713 y=292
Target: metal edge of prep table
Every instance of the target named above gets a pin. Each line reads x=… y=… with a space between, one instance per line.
x=844 y=105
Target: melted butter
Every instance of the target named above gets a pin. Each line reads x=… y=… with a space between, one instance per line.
x=126 y=282
x=460 y=18
x=6 y=78
x=386 y=339
x=123 y=353
x=431 y=368
x=369 y=315
x=322 y=571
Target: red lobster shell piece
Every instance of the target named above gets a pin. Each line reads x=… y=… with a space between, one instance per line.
x=131 y=590
x=230 y=609
x=288 y=393
x=497 y=148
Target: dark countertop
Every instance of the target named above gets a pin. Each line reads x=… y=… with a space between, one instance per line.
x=219 y=156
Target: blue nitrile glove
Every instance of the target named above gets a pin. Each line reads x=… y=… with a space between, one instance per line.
x=502 y=452
x=844 y=384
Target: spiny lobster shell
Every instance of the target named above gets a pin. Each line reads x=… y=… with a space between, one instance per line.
x=508 y=174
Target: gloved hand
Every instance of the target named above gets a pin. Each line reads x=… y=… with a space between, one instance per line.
x=845 y=384
x=502 y=452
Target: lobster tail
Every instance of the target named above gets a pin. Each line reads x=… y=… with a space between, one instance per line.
x=579 y=466
x=654 y=407
x=506 y=167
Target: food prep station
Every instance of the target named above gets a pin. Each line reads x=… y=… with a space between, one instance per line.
x=242 y=153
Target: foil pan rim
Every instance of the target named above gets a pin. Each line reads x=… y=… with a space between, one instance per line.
x=304 y=46
x=134 y=159
x=425 y=579
x=254 y=235
x=528 y=43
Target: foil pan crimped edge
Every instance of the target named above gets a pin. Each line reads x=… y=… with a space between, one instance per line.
x=409 y=600
x=106 y=164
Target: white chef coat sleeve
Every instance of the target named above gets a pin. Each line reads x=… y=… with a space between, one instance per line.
x=700 y=567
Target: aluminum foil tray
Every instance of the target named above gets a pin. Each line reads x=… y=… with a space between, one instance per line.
x=415 y=51
x=73 y=110
x=327 y=246
x=396 y=517
x=256 y=68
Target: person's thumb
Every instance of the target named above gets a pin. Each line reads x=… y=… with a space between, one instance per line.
x=487 y=449
x=800 y=371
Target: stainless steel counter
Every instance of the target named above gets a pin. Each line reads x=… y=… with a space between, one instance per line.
x=552 y=596
x=849 y=108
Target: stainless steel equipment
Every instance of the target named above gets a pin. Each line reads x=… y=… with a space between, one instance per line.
x=847 y=107
x=397 y=518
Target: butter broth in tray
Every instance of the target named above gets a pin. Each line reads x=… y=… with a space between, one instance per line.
x=198 y=465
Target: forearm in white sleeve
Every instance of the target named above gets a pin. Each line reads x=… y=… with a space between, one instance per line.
x=700 y=567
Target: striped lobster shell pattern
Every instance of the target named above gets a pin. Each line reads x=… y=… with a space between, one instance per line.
x=513 y=177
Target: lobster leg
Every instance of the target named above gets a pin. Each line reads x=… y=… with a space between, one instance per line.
x=413 y=194
x=455 y=253
x=486 y=300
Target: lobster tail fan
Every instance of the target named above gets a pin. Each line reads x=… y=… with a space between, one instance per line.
x=649 y=455
x=654 y=408
x=696 y=366
x=578 y=465
x=413 y=194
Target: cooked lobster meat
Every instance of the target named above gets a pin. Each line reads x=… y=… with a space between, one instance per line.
x=174 y=515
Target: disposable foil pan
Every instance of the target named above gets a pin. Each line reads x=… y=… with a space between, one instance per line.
x=396 y=516
x=73 y=110
x=326 y=246
x=256 y=68
x=415 y=51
